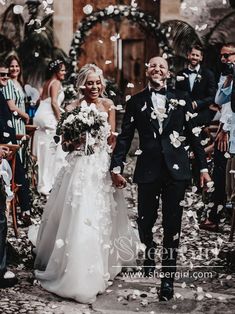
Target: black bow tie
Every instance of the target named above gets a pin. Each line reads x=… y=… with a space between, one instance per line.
x=191 y=71
x=161 y=91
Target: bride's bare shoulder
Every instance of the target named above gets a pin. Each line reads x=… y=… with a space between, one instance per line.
x=107 y=103
x=72 y=106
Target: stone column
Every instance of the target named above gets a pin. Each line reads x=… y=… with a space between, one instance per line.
x=63 y=23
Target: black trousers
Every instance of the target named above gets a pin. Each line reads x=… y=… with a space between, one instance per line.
x=3 y=231
x=219 y=177
x=171 y=193
x=23 y=192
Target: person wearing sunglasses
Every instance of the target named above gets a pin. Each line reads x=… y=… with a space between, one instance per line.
x=221 y=175
x=8 y=136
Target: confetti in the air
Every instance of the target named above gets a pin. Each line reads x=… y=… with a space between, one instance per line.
x=18 y=9
x=87 y=9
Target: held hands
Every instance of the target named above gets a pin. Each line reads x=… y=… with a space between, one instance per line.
x=118 y=180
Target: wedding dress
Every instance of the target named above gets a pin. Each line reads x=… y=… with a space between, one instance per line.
x=50 y=156
x=85 y=236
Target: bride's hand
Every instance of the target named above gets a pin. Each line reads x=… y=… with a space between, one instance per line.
x=112 y=141
x=118 y=180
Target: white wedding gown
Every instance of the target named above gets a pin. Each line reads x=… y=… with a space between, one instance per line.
x=50 y=156
x=85 y=236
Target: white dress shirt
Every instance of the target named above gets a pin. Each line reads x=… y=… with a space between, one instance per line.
x=192 y=76
x=159 y=102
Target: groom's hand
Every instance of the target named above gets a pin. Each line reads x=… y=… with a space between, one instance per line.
x=118 y=180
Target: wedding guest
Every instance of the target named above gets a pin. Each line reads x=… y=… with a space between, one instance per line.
x=199 y=83
x=15 y=96
x=223 y=99
x=8 y=136
x=84 y=226
x=162 y=167
x=7 y=278
x=49 y=155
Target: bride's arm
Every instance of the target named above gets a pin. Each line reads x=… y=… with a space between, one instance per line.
x=112 y=122
x=72 y=106
x=54 y=91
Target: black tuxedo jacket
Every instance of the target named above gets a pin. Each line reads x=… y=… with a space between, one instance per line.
x=203 y=92
x=156 y=148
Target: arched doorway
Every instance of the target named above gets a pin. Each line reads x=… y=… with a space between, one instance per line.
x=129 y=55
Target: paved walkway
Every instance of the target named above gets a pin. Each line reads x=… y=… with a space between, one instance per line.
x=208 y=284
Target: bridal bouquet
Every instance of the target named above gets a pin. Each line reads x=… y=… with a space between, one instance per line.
x=84 y=126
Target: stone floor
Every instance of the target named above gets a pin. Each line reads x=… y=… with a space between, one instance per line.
x=205 y=263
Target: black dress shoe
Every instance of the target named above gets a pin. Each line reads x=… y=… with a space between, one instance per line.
x=212 y=227
x=8 y=282
x=167 y=291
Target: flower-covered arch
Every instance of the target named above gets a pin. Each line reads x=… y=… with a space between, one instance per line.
x=144 y=20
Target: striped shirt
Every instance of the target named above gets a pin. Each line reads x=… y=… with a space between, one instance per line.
x=15 y=92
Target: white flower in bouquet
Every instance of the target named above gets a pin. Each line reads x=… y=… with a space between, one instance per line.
x=84 y=127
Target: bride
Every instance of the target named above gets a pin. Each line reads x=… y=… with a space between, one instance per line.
x=85 y=237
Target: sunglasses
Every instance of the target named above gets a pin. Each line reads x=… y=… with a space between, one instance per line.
x=227 y=55
x=3 y=74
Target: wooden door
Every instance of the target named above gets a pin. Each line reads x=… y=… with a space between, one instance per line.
x=133 y=65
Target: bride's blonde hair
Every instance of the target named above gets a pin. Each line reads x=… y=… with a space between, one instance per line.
x=82 y=77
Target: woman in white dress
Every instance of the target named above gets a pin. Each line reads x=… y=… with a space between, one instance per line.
x=50 y=156
x=85 y=236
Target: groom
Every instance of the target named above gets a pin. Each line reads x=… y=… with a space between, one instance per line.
x=162 y=167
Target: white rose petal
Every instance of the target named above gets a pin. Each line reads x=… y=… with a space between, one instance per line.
x=200 y=297
x=138 y=152
x=110 y=9
x=197 y=130
x=87 y=9
x=180 y=78
x=49 y=11
x=130 y=85
x=128 y=97
x=9 y=123
x=88 y=222
x=108 y=62
x=119 y=107
x=144 y=107
x=227 y=155
x=210 y=184
x=5 y=134
x=182 y=102
x=134 y=4
x=176 y=167
x=59 y=243
x=194 y=189
x=176 y=237
x=190 y=115
x=116 y=170
x=115 y=37
x=18 y=9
